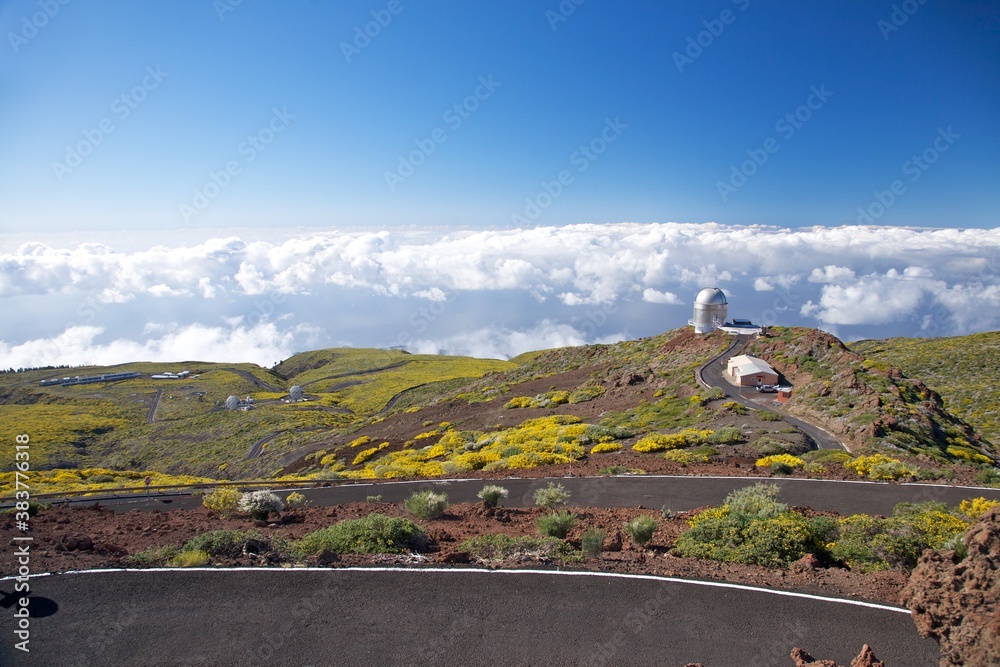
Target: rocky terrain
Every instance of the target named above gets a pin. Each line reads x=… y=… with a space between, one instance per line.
x=956 y=599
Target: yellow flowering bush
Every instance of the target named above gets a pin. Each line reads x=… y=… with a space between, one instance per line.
x=657 y=442
x=687 y=456
x=605 y=447
x=787 y=459
x=363 y=440
x=366 y=454
x=968 y=454
x=976 y=507
x=518 y=402
x=878 y=466
x=424 y=436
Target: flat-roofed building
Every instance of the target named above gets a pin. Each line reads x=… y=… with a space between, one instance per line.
x=750 y=371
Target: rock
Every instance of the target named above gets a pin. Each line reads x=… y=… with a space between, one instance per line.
x=326 y=557
x=258 y=523
x=865 y=659
x=455 y=557
x=71 y=543
x=84 y=543
x=614 y=543
x=807 y=563
x=957 y=602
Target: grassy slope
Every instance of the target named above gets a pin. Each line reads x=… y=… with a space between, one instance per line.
x=105 y=426
x=963 y=369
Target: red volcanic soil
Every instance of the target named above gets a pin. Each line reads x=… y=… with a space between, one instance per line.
x=72 y=538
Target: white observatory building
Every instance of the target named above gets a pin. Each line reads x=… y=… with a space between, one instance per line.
x=710 y=310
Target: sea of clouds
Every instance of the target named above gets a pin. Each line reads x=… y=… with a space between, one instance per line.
x=261 y=296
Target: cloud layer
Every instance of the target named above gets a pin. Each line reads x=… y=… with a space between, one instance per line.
x=905 y=281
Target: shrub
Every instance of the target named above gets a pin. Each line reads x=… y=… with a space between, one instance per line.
x=863 y=464
x=827 y=456
x=260 y=504
x=728 y=435
x=689 y=456
x=223 y=500
x=363 y=440
x=518 y=402
x=373 y=534
x=614 y=470
x=976 y=507
x=786 y=460
x=988 y=476
x=641 y=528
x=584 y=394
x=499 y=547
x=552 y=496
x=556 y=524
x=153 y=557
x=592 y=541
x=295 y=499
x=373 y=499
x=768 y=416
x=228 y=543
x=426 y=504
x=605 y=447
x=189 y=559
x=491 y=494
x=770 y=446
x=714 y=394
x=892 y=470
x=366 y=454
x=734 y=407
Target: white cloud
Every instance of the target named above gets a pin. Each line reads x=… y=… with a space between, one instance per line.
x=655 y=296
x=503 y=343
x=263 y=344
x=355 y=286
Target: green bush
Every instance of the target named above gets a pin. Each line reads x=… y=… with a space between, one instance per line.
x=556 y=524
x=491 y=494
x=770 y=446
x=228 y=543
x=153 y=557
x=727 y=435
x=189 y=559
x=751 y=527
x=592 y=541
x=768 y=416
x=552 y=496
x=827 y=456
x=714 y=394
x=373 y=534
x=988 y=476
x=641 y=529
x=613 y=470
x=500 y=547
x=426 y=504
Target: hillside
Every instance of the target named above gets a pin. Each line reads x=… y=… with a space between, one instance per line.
x=633 y=405
x=962 y=369
x=870 y=402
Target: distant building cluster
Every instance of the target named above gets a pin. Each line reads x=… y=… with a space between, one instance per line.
x=171 y=376
x=235 y=403
x=89 y=379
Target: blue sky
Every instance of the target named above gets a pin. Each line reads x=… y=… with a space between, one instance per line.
x=347 y=123
x=224 y=180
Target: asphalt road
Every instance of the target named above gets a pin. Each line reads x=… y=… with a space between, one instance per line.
x=677 y=493
x=339 y=617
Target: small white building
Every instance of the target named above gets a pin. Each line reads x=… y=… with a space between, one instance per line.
x=750 y=371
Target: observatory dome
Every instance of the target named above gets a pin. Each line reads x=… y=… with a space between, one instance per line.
x=232 y=403
x=710 y=310
x=295 y=393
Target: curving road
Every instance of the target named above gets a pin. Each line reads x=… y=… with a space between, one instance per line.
x=711 y=375
x=434 y=617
